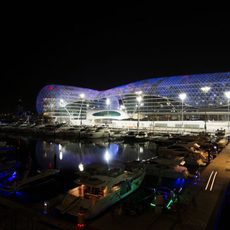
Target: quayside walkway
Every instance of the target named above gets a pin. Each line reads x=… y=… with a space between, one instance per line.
x=209 y=201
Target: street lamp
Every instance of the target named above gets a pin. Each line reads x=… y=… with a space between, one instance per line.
x=63 y=104
x=138 y=92
x=139 y=100
x=122 y=107
x=82 y=96
x=227 y=94
x=182 y=96
x=205 y=90
x=107 y=101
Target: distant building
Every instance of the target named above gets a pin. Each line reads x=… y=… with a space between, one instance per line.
x=150 y=99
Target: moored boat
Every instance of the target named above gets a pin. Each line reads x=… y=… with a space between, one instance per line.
x=100 y=132
x=134 y=136
x=28 y=182
x=95 y=193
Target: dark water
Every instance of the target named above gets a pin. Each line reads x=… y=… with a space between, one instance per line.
x=33 y=156
x=68 y=155
x=30 y=157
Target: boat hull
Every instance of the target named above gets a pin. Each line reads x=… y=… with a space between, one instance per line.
x=92 y=210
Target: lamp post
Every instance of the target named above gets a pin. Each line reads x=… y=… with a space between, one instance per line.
x=205 y=90
x=139 y=100
x=227 y=94
x=63 y=104
x=107 y=102
x=122 y=107
x=82 y=96
x=182 y=96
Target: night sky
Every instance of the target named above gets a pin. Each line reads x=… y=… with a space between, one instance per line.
x=100 y=49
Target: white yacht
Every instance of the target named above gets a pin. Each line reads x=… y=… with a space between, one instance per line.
x=86 y=130
x=167 y=168
x=116 y=135
x=100 y=132
x=135 y=136
x=68 y=131
x=95 y=193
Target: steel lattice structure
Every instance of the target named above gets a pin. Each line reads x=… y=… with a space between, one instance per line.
x=160 y=96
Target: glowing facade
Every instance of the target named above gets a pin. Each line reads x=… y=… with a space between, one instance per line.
x=158 y=99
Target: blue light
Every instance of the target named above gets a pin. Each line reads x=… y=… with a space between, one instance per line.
x=19 y=194
x=179 y=182
x=3 y=174
x=14 y=175
x=113 y=148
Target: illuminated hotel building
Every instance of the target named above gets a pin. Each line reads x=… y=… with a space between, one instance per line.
x=159 y=100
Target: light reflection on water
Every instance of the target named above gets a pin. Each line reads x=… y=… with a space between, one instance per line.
x=34 y=156
x=69 y=155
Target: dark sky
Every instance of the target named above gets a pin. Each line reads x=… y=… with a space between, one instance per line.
x=100 y=49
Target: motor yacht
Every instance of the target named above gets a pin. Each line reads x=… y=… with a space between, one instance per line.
x=97 y=191
x=166 y=168
x=116 y=135
x=135 y=136
x=13 y=185
x=100 y=132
